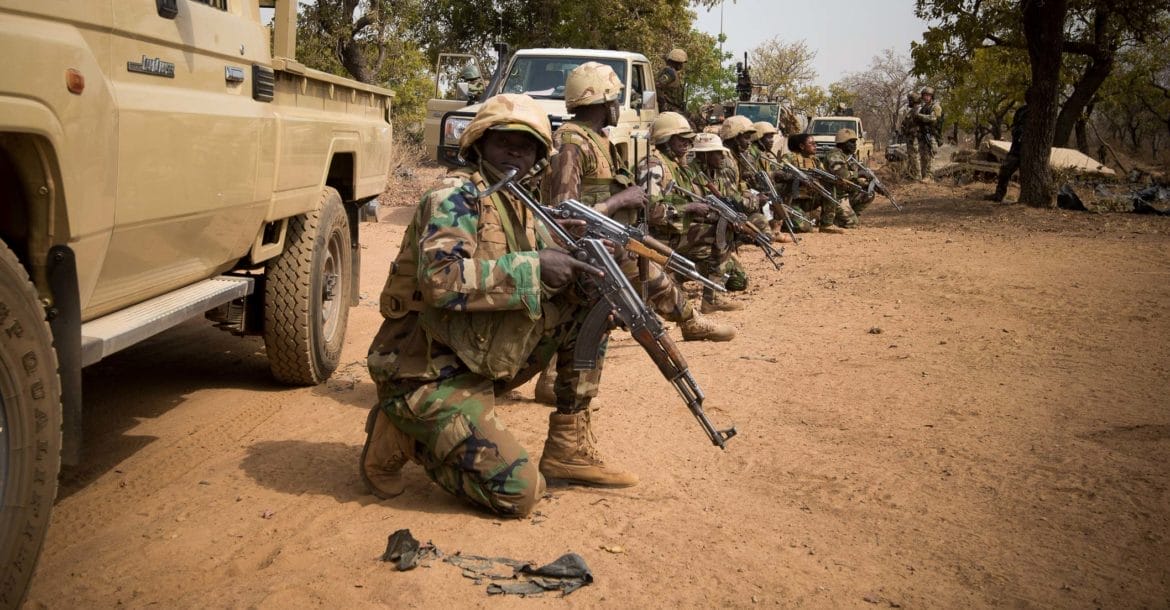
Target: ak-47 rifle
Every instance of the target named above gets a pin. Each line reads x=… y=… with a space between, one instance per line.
x=615 y=296
x=766 y=181
x=808 y=181
x=874 y=182
x=738 y=221
x=834 y=180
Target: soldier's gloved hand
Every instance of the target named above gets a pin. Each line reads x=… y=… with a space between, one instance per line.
x=557 y=268
x=631 y=197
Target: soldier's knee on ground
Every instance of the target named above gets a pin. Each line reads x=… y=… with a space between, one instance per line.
x=522 y=503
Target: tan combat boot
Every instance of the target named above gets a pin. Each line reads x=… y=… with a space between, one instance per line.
x=832 y=229
x=716 y=303
x=570 y=454
x=698 y=328
x=386 y=451
x=546 y=383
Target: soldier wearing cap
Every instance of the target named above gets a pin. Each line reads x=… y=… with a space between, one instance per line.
x=837 y=163
x=670 y=85
x=714 y=174
x=908 y=129
x=928 y=117
x=475 y=304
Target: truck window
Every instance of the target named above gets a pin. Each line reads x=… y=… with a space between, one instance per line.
x=830 y=127
x=544 y=77
x=219 y=4
x=638 y=86
x=769 y=113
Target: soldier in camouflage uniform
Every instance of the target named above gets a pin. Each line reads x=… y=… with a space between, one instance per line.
x=763 y=144
x=736 y=134
x=687 y=226
x=475 y=305
x=474 y=80
x=928 y=117
x=802 y=153
x=909 y=129
x=837 y=163
x=713 y=175
x=589 y=168
x=669 y=82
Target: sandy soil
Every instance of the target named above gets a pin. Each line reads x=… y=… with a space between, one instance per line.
x=962 y=404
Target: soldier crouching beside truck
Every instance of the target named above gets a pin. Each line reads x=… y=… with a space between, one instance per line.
x=476 y=305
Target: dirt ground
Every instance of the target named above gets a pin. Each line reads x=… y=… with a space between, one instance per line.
x=962 y=404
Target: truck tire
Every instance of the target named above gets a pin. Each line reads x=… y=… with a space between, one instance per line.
x=307 y=295
x=30 y=428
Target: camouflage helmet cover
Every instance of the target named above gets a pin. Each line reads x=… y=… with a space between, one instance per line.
x=670 y=124
x=928 y=91
x=677 y=55
x=509 y=112
x=845 y=134
x=708 y=142
x=469 y=72
x=763 y=128
x=734 y=126
x=591 y=83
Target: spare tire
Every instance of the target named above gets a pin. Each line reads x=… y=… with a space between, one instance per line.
x=30 y=428
x=307 y=292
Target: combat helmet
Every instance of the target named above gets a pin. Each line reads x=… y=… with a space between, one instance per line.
x=913 y=97
x=928 y=91
x=734 y=126
x=670 y=124
x=676 y=55
x=508 y=112
x=763 y=128
x=469 y=72
x=845 y=134
x=591 y=83
x=708 y=142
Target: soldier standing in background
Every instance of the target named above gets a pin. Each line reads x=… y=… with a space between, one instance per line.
x=1011 y=162
x=908 y=129
x=929 y=118
x=837 y=163
x=671 y=88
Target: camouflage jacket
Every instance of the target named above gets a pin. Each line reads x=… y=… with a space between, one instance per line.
x=671 y=91
x=666 y=216
x=801 y=162
x=723 y=182
x=587 y=167
x=465 y=284
x=908 y=126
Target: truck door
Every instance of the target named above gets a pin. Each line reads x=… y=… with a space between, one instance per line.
x=189 y=133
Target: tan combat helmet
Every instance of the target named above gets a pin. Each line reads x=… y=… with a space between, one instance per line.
x=845 y=134
x=734 y=126
x=670 y=124
x=763 y=128
x=508 y=112
x=676 y=55
x=928 y=91
x=591 y=83
x=708 y=142
x=469 y=72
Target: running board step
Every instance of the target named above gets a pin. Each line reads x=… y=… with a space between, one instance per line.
x=121 y=329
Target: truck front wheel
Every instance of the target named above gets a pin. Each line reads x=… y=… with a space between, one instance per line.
x=307 y=295
x=30 y=428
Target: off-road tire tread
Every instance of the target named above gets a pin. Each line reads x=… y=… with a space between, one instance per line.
x=28 y=364
x=288 y=333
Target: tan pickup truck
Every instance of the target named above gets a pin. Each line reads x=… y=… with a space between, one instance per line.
x=162 y=160
x=541 y=74
x=825 y=128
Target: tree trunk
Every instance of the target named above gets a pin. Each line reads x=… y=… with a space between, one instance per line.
x=1044 y=32
x=1082 y=95
x=1082 y=129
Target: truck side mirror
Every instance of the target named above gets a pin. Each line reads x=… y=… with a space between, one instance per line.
x=649 y=99
x=167 y=9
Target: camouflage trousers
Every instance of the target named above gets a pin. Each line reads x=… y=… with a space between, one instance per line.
x=458 y=438
x=828 y=211
x=706 y=248
x=798 y=225
x=913 y=158
x=662 y=293
x=926 y=149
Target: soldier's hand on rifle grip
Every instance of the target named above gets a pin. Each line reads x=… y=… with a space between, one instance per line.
x=697 y=208
x=557 y=268
x=631 y=197
x=574 y=226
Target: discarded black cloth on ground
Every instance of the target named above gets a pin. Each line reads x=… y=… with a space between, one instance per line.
x=567 y=574
x=405 y=552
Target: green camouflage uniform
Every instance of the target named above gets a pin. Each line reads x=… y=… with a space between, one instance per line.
x=467 y=318
x=767 y=159
x=671 y=91
x=927 y=118
x=590 y=172
x=804 y=197
x=724 y=183
x=837 y=163
x=695 y=237
x=909 y=129
x=744 y=169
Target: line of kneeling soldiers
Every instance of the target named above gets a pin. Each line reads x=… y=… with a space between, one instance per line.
x=480 y=299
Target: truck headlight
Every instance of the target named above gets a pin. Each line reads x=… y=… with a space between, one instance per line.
x=453 y=129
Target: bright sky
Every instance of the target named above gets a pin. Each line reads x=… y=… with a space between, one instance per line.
x=846 y=34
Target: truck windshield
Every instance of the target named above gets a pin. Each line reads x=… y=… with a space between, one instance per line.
x=768 y=113
x=829 y=127
x=544 y=77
